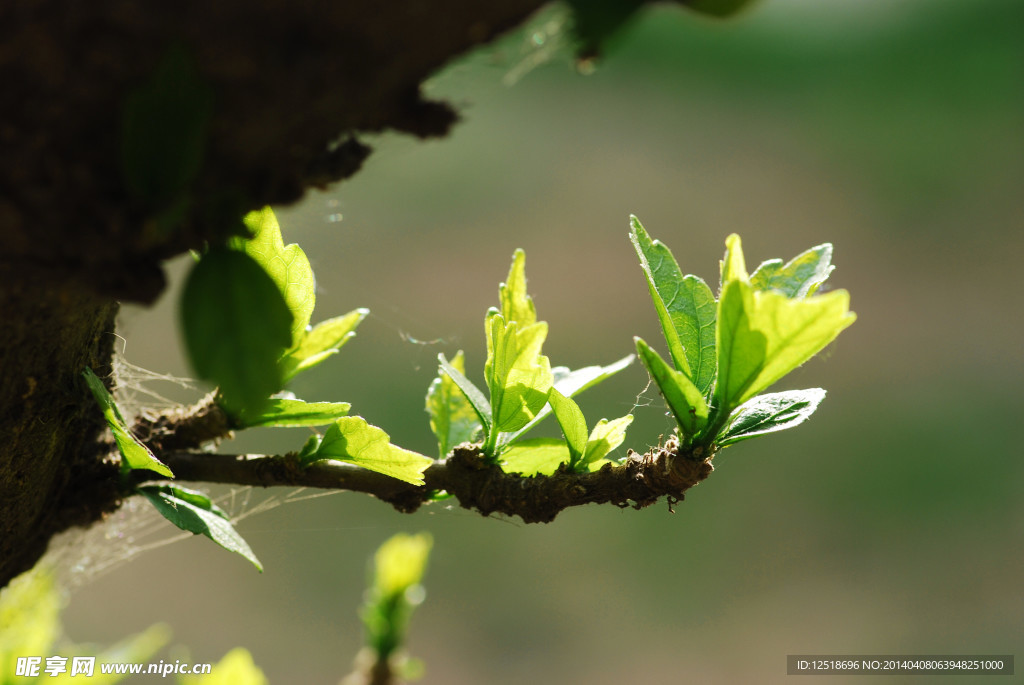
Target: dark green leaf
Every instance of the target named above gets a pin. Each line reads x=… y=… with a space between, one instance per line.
x=718 y=8
x=769 y=413
x=164 y=130
x=682 y=397
x=194 y=512
x=135 y=454
x=236 y=327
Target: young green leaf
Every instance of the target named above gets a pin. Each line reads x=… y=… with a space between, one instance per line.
x=472 y=393
x=354 y=441
x=800 y=277
x=135 y=455
x=236 y=325
x=686 y=308
x=570 y=384
x=452 y=418
x=763 y=335
x=574 y=426
x=769 y=413
x=518 y=375
x=287 y=412
x=535 y=456
x=194 y=512
x=516 y=305
x=606 y=436
x=733 y=266
x=684 y=399
x=286 y=265
x=324 y=340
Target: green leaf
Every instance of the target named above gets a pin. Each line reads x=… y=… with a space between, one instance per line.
x=29 y=619
x=135 y=454
x=606 y=436
x=164 y=131
x=236 y=327
x=289 y=412
x=516 y=305
x=286 y=265
x=535 y=456
x=354 y=441
x=570 y=384
x=663 y=280
x=472 y=393
x=686 y=309
x=733 y=266
x=718 y=8
x=194 y=512
x=310 y=447
x=800 y=277
x=518 y=375
x=770 y=413
x=763 y=335
x=574 y=426
x=684 y=399
x=324 y=340
x=452 y=418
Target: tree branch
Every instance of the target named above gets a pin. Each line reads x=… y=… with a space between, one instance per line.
x=638 y=482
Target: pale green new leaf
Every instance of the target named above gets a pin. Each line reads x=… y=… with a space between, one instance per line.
x=135 y=454
x=289 y=412
x=194 y=512
x=236 y=326
x=769 y=413
x=800 y=277
x=570 y=384
x=606 y=436
x=684 y=399
x=452 y=418
x=763 y=335
x=518 y=375
x=287 y=265
x=516 y=305
x=472 y=393
x=733 y=266
x=323 y=341
x=574 y=426
x=354 y=441
x=535 y=456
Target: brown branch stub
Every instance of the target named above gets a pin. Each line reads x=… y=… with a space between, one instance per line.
x=183 y=428
x=639 y=481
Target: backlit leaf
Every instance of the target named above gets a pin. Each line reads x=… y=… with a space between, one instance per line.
x=287 y=412
x=518 y=375
x=574 y=425
x=800 y=277
x=763 y=335
x=769 y=413
x=472 y=393
x=323 y=341
x=606 y=436
x=733 y=266
x=354 y=441
x=286 y=265
x=452 y=418
x=516 y=305
x=135 y=454
x=535 y=456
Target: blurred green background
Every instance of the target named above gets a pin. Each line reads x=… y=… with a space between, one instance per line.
x=891 y=523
